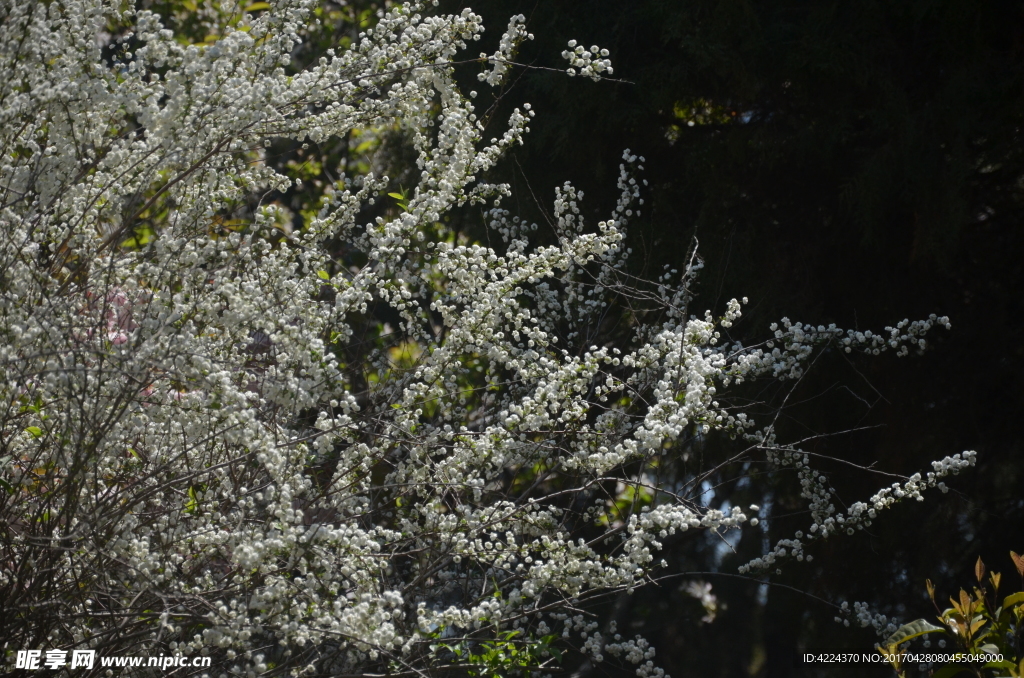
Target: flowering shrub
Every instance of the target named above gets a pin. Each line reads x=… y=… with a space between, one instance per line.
x=213 y=443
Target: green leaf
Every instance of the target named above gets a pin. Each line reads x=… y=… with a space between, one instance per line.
x=1001 y=665
x=34 y=431
x=323 y=275
x=193 y=503
x=256 y=6
x=1013 y=600
x=950 y=670
x=912 y=630
x=401 y=199
x=6 y=486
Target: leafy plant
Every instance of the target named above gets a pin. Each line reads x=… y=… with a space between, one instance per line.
x=978 y=622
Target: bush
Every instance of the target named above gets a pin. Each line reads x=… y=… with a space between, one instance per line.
x=343 y=439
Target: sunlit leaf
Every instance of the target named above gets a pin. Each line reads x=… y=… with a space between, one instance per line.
x=918 y=627
x=1013 y=600
x=1018 y=562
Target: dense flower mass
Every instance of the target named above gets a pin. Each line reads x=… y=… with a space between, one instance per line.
x=214 y=444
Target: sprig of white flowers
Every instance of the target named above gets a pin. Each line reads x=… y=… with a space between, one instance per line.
x=510 y=41
x=590 y=63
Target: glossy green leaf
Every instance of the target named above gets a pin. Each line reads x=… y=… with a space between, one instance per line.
x=912 y=630
x=1013 y=600
x=1001 y=665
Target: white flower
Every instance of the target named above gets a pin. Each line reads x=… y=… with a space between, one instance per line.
x=196 y=383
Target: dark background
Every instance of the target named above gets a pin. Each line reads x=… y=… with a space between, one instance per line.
x=851 y=162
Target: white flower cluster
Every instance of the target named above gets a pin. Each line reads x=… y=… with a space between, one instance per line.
x=827 y=520
x=510 y=41
x=590 y=63
x=861 y=614
x=213 y=446
x=637 y=651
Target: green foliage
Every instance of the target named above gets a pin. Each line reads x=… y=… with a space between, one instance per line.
x=978 y=621
x=508 y=653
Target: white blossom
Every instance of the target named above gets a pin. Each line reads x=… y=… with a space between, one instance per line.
x=196 y=462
